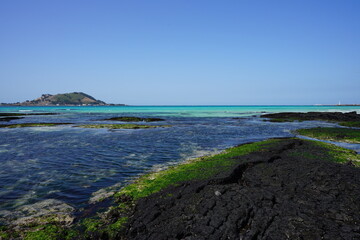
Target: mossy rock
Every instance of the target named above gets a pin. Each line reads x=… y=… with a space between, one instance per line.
x=121 y=126
x=351 y=124
x=332 y=134
x=113 y=223
x=134 y=119
x=196 y=169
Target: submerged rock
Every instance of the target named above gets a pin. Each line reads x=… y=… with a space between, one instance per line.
x=8 y=119
x=43 y=212
x=104 y=193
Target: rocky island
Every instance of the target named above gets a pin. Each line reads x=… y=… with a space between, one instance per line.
x=64 y=99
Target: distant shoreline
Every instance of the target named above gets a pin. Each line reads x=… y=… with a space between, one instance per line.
x=338 y=105
x=163 y=105
x=62 y=105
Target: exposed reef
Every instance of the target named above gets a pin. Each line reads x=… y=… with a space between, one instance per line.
x=347 y=135
x=24 y=114
x=274 y=189
x=21 y=125
x=8 y=119
x=134 y=119
x=322 y=116
x=350 y=124
x=290 y=189
x=121 y=126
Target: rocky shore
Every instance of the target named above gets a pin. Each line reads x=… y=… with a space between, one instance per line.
x=286 y=188
x=289 y=191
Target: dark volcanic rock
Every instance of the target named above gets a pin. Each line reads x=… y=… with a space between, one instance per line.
x=327 y=116
x=2 y=114
x=8 y=119
x=270 y=195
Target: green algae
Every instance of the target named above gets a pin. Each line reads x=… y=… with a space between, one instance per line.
x=21 y=125
x=338 y=154
x=327 y=152
x=112 y=230
x=51 y=232
x=134 y=119
x=91 y=225
x=197 y=169
x=332 y=134
x=350 y=124
x=3 y=234
x=121 y=126
x=95 y=227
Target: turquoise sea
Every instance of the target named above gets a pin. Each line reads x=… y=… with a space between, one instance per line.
x=75 y=165
x=191 y=111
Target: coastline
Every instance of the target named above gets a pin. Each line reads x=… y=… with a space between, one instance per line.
x=160 y=196
x=168 y=187
x=263 y=196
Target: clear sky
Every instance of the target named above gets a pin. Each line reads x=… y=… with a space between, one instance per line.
x=182 y=52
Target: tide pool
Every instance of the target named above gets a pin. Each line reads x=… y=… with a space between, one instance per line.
x=73 y=164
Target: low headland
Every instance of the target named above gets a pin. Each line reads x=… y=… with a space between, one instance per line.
x=287 y=188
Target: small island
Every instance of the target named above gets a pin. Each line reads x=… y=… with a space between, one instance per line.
x=64 y=99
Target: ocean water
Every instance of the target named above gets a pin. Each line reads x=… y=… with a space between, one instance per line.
x=186 y=111
x=73 y=164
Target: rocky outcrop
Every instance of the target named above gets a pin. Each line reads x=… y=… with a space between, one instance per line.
x=275 y=194
x=325 y=116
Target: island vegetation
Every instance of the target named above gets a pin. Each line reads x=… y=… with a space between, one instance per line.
x=64 y=99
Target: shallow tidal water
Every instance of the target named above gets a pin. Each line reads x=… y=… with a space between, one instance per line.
x=72 y=164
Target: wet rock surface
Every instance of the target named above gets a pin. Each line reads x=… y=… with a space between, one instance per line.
x=8 y=119
x=326 y=116
x=43 y=212
x=273 y=194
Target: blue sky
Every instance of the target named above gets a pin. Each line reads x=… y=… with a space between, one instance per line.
x=182 y=52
